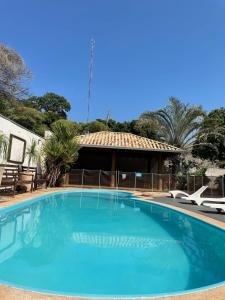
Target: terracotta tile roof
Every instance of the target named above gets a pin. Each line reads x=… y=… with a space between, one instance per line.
x=123 y=140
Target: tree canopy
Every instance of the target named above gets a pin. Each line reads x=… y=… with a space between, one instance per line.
x=210 y=142
x=60 y=150
x=93 y=126
x=54 y=107
x=145 y=129
x=36 y=113
x=14 y=74
x=177 y=123
x=29 y=118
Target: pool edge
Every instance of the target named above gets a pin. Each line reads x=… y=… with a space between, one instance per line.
x=216 y=291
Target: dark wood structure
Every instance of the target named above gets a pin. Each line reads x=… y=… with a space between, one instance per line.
x=91 y=158
x=118 y=151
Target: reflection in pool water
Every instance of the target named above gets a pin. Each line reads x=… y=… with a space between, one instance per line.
x=107 y=243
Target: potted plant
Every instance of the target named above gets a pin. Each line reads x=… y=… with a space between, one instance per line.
x=33 y=156
x=3 y=153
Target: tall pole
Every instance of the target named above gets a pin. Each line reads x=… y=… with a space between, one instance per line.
x=91 y=64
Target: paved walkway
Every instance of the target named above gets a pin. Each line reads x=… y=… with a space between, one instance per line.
x=203 y=210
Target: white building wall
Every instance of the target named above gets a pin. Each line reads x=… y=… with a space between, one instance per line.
x=8 y=127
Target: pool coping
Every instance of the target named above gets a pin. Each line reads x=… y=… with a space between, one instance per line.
x=212 y=292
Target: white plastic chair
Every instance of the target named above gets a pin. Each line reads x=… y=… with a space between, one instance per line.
x=187 y=196
x=218 y=206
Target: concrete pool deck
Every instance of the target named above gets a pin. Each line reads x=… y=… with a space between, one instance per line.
x=203 y=213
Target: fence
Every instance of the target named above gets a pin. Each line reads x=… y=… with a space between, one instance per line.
x=145 y=181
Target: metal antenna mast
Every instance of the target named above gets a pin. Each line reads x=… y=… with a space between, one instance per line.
x=90 y=77
x=107 y=117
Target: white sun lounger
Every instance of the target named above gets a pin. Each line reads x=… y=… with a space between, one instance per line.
x=187 y=196
x=176 y=193
x=218 y=206
x=202 y=200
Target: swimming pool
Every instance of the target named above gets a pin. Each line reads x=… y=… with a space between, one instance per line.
x=107 y=244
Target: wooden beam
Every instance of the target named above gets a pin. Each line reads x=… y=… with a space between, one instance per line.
x=160 y=171
x=113 y=168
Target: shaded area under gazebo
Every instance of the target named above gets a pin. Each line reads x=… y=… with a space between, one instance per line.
x=124 y=152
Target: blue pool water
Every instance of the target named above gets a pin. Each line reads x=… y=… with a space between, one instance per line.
x=107 y=244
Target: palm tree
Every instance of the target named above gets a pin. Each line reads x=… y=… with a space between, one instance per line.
x=32 y=153
x=3 y=146
x=3 y=152
x=60 y=150
x=177 y=123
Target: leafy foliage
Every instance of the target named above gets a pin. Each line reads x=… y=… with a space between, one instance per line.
x=32 y=153
x=60 y=150
x=53 y=106
x=28 y=117
x=3 y=146
x=138 y=127
x=177 y=123
x=94 y=126
x=33 y=113
x=73 y=126
x=210 y=142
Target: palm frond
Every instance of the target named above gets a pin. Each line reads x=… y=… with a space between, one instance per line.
x=3 y=146
x=177 y=123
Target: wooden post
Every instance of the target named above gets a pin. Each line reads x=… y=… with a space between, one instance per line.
x=66 y=179
x=160 y=168
x=222 y=178
x=82 y=178
x=152 y=182
x=113 y=168
x=169 y=182
x=99 y=179
x=187 y=184
x=135 y=180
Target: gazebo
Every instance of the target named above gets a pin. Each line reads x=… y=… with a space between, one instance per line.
x=123 y=151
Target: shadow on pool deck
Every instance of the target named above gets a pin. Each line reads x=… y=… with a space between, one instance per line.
x=203 y=210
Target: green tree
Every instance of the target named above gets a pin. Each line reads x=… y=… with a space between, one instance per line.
x=32 y=102
x=8 y=104
x=28 y=117
x=36 y=113
x=53 y=106
x=144 y=128
x=60 y=150
x=94 y=126
x=177 y=123
x=138 y=127
x=54 y=103
x=210 y=143
x=74 y=126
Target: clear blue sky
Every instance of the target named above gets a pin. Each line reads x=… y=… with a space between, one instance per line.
x=146 y=51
